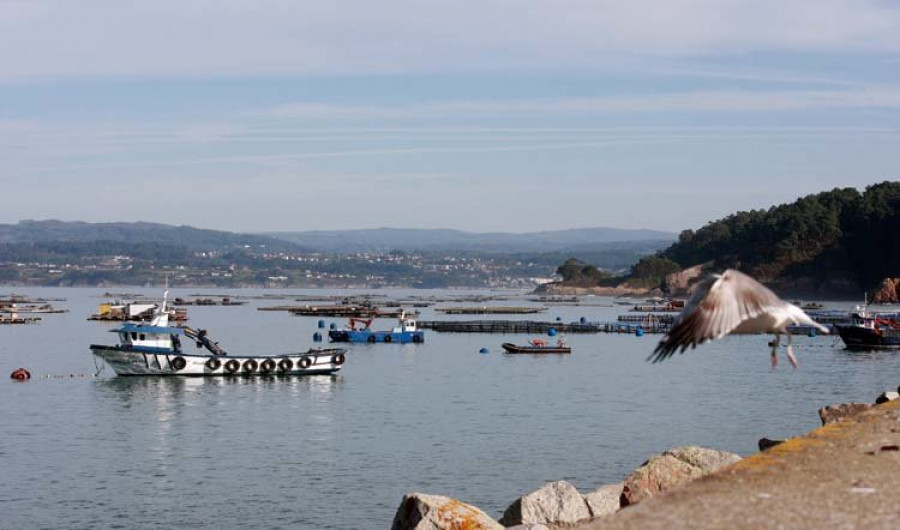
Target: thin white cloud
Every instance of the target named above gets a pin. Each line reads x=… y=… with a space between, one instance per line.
x=741 y=101
x=354 y=153
x=53 y=38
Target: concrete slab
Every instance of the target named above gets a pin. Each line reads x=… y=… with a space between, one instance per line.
x=845 y=475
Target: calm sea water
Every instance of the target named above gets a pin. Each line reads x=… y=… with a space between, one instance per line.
x=341 y=451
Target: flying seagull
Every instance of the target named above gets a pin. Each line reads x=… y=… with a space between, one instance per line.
x=732 y=303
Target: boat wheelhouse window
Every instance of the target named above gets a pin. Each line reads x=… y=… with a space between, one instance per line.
x=134 y=335
x=143 y=337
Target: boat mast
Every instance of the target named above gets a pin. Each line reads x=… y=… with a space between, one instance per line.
x=161 y=315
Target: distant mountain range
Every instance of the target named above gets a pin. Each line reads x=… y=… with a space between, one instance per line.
x=409 y=239
x=76 y=253
x=579 y=240
x=135 y=233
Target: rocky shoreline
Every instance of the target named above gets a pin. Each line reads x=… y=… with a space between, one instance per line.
x=682 y=284
x=558 y=505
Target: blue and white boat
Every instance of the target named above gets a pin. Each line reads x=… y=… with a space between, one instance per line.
x=405 y=332
x=156 y=349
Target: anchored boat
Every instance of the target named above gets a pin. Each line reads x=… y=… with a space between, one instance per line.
x=537 y=346
x=867 y=331
x=405 y=332
x=156 y=349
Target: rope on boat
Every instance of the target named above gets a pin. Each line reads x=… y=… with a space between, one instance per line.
x=68 y=376
x=98 y=366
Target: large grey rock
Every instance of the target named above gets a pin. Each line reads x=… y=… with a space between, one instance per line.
x=555 y=502
x=840 y=411
x=606 y=500
x=418 y=511
x=672 y=468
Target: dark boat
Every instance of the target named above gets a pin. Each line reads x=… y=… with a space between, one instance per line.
x=514 y=348
x=867 y=331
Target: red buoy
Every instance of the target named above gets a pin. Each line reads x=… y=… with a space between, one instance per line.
x=20 y=375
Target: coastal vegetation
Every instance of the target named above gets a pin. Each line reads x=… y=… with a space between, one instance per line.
x=841 y=237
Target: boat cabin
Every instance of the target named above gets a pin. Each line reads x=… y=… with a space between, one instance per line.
x=406 y=324
x=156 y=337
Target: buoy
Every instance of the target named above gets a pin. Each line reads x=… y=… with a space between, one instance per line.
x=559 y=319
x=484 y=350
x=552 y=332
x=321 y=324
x=332 y=326
x=639 y=331
x=582 y=320
x=20 y=374
x=317 y=337
x=812 y=332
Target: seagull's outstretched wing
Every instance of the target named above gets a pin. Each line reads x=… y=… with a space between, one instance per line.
x=720 y=304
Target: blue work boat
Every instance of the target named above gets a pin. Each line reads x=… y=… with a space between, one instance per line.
x=405 y=332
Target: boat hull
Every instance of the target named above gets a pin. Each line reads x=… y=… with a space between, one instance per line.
x=862 y=338
x=402 y=337
x=163 y=362
x=513 y=348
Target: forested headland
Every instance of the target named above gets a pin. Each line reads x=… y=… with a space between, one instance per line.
x=837 y=242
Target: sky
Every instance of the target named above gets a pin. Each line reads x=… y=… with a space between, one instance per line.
x=488 y=115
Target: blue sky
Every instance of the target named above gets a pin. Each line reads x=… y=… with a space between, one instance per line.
x=482 y=116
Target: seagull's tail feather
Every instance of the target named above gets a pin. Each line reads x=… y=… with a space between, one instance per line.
x=803 y=318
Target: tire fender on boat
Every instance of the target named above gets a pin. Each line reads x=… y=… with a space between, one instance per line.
x=213 y=364
x=372 y=339
x=267 y=366
x=417 y=338
x=338 y=359
x=232 y=366
x=304 y=362
x=178 y=363
x=285 y=365
x=388 y=338
x=250 y=366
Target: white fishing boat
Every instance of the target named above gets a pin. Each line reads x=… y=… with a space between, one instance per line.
x=156 y=349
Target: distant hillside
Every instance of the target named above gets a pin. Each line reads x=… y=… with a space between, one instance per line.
x=30 y=232
x=826 y=241
x=406 y=239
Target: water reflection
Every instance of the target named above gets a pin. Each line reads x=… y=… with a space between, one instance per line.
x=868 y=355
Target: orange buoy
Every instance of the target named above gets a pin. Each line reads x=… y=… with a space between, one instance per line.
x=20 y=374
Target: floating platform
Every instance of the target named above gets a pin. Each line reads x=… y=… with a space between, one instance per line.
x=350 y=311
x=490 y=310
x=532 y=327
x=19 y=320
x=644 y=319
x=656 y=309
x=208 y=301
